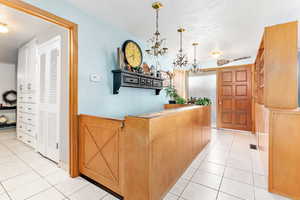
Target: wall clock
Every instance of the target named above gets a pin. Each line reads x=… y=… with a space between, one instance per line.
x=133 y=54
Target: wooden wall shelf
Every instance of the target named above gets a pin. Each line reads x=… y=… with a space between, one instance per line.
x=8 y=108
x=124 y=78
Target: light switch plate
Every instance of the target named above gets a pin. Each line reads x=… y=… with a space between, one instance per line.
x=95 y=77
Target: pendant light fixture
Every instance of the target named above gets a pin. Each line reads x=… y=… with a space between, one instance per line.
x=181 y=59
x=3 y=28
x=157 y=44
x=195 y=68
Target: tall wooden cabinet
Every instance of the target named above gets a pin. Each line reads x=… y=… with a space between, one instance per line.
x=276 y=67
x=277 y=115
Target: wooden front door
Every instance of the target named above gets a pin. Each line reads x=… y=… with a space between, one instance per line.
x=234 y=98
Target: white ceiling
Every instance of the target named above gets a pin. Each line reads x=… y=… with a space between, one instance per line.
x=22 y=28
x=232 y=26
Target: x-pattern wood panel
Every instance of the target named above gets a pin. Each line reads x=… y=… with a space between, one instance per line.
x=100 y=154
x=104 y=146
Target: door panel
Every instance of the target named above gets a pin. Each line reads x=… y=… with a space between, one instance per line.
x=234 y=98
x=49 y=101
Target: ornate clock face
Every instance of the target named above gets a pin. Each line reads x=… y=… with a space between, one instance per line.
x=133 y=53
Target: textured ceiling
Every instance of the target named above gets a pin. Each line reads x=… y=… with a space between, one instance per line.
x=22 y=28
x=232 y=26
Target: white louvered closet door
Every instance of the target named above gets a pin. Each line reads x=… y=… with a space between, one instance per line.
x=49 y=98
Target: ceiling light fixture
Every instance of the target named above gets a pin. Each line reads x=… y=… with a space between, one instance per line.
x=181 y=58
x=216 y=54
x=195 y=68
x=3 y=28
x=157 y=44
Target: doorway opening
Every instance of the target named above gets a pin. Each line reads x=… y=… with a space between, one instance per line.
x=230 y=90
x=52 y=80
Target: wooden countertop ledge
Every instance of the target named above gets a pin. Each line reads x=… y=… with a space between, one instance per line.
x=167 y=112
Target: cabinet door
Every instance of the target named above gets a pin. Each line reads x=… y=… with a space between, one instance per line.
x=49 y=101
x=31 y=66
x=21 y=69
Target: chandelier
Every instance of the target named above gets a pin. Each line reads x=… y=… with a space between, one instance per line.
x=181 y=58
x=157 y=44
x=195 y=68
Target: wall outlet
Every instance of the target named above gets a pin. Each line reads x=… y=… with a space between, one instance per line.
x=95 y=78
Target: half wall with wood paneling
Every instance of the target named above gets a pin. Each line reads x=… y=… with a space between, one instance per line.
x=100 y=148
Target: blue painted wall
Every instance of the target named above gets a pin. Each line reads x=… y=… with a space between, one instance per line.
x=97 y=48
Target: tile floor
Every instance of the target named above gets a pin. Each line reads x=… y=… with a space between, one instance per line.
x=226 y=170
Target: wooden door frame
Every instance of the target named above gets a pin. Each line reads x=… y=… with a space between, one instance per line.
x=218 y=90
x=73 y=73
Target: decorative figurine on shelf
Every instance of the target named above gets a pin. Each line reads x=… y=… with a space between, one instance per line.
x=152 y=70
x=128 y=68
x=158 y=74
x=146 y=68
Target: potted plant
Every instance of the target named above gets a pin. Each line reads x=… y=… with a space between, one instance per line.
x=180 y=100
x=203 y=101
x=172 y=93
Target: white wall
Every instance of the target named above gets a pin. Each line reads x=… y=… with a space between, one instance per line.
x=7 y=82
x=7 y=78
x=204 y=85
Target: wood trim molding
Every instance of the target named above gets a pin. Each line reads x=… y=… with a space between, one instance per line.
x=73 y=77
x=215 y=69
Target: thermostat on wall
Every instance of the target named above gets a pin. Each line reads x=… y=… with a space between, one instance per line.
x=95 y=77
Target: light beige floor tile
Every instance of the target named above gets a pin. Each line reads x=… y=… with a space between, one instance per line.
x=29 y=189
x=170 y=197
x=237 y=189
x=262 y=194
x=212 y=168
x=70 y=186
x=239 y=175
x=51 y=194
x=57 y=176
x=20 y=148
x=12 y=169
x=260 y=181
x=18 y=181
x=207 y=179
x=196 y=192
x=46 y=168
x=90 y=192
x=178 y=188
x=109 y=197
x=4 y=196
x=188 y=174
x=239 y=164
x=223 y=196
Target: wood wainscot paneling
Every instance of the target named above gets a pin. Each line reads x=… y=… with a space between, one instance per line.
x=284 y=176
x=143 y=160
x=172 y=106
x=159 y=147
x=262 y=134
x=101 y=155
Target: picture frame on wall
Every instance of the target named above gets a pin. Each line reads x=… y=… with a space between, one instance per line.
x=120 y=55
